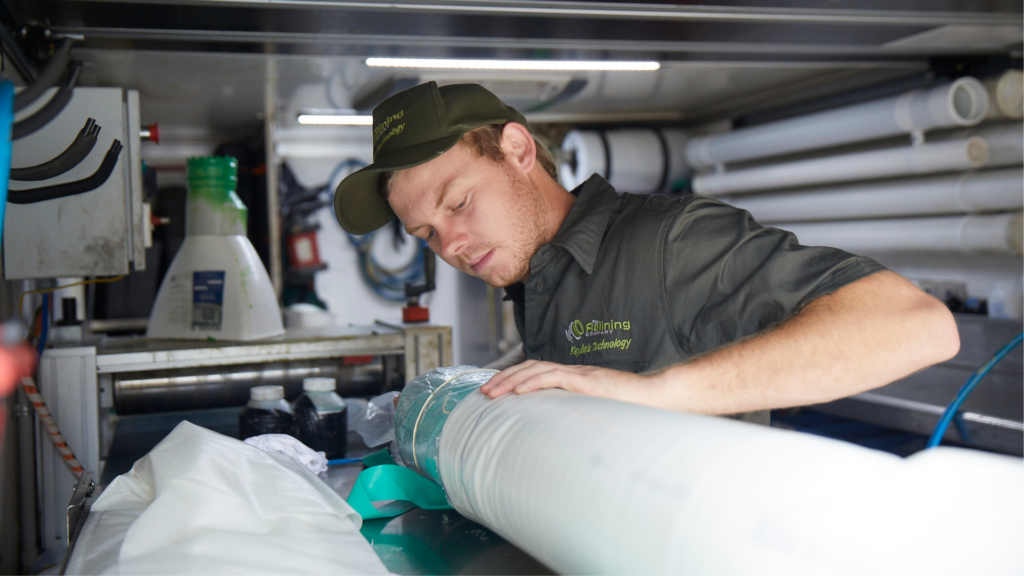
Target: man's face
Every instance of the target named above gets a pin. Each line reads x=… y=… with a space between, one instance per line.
x=478 y=216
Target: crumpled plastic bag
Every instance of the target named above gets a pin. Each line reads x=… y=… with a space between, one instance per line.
x=203 y=503
x=285 y=445
x=376 y=424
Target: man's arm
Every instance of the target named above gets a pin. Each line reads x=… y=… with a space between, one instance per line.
x=866 y=334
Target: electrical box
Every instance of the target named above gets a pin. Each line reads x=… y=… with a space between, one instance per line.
x=96 y=233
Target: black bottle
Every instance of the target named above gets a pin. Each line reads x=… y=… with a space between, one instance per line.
x=321 y=418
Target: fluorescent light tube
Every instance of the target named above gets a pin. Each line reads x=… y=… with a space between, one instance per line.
x=336 y=119
x=556 y=65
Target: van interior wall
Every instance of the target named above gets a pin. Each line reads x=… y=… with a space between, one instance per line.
x=459 y=301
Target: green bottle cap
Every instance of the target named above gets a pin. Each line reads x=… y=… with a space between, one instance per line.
x=213 y=205
x=215 y=175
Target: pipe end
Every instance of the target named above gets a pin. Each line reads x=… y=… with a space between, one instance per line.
x=977 y=151
x=968 y=101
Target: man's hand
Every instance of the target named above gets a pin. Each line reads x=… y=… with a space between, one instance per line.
x=534 y=375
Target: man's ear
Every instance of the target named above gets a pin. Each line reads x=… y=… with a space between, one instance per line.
x=519 y=146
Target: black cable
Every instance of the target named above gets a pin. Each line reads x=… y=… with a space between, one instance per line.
x=70 y=188
x=72 y=156
x=48 y=77
x=49 y=111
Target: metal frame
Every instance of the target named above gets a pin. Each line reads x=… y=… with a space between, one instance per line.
x=78 y=513
x=623 y=11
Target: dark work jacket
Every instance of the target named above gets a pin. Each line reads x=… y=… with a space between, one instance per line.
x=640 y=282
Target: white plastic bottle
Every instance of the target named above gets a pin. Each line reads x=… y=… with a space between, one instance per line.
x=1006 y=300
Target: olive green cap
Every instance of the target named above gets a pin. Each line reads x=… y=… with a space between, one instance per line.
x=409 y=129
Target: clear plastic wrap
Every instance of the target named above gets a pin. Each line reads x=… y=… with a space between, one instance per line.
x=376 y=423
x=423 y=408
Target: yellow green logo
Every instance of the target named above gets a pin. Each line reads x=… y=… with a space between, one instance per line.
x=577 y=329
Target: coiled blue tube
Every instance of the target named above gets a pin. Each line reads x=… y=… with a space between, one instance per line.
x=965 y=390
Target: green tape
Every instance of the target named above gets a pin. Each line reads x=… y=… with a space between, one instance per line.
x=393 y=482
x=377 y=458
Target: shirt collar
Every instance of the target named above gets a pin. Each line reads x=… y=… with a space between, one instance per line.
x=583 y=229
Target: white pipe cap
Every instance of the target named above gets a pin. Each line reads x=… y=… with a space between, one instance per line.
x=319 y=384
x=266 y=393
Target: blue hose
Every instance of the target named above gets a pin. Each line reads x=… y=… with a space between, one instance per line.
x=343 y=461
x=965 y=390
x=388 y=284
x=6 y=119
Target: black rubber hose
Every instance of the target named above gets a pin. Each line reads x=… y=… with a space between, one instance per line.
x=48 y=77
x=71 y=188
x=50 y=110
x=72 y=156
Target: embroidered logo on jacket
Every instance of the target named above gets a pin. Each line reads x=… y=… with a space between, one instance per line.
x=578 y=330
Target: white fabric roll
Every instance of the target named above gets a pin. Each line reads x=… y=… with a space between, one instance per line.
x=637 y=158
x=592 y=486
x=589 y=153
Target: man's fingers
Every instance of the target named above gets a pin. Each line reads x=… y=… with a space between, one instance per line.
x=553 y=378
x=516 y=378
x=500 y=377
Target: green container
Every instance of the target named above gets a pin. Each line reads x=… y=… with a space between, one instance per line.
x=212 y=182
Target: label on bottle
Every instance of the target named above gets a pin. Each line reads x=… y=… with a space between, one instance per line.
x=207 y=300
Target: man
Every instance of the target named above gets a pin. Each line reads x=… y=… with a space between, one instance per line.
x=681 y=303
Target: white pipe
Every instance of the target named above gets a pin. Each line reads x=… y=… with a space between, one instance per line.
x=593 y=486
x=890 y=162
x=988 y=191
x=963 y=102
x=1005 y=142
x=997 y=234
x=1006 y=95
x=634 y=161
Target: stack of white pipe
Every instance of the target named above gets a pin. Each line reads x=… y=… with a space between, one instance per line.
x=964 y=102
x=971 y=192
x=1005 y=142
x=592 y=486
x=972 y=234
x=928 y=158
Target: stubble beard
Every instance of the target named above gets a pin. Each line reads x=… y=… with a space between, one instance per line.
x=527 y=233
